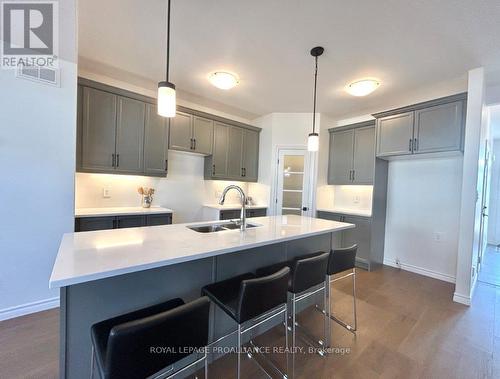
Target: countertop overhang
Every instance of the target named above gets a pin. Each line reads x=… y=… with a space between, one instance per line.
x=119 y=211
x=88 y=256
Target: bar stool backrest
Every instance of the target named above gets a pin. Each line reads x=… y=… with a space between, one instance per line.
x=309 y=271
x=129 y=352
x=342 y=259
x=259 y=295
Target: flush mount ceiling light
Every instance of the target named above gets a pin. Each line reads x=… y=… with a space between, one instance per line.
x=362 y=87
x=223 y=79
x=313 y=138
x=166 y=90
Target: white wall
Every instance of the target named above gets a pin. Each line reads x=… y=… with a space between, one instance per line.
x=37 y=160
x=494 y=205
x=475 y=137
x=422 y=218
x=279 y=130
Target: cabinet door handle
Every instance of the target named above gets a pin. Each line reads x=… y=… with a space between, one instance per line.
x=117 y=160
x=415 y=144
x=191 y=143
x=410 y=145
x=353 y=175
x=166 y=165
x=244 y=172
x=194 y=143
x=113 y=161
x=213 y=169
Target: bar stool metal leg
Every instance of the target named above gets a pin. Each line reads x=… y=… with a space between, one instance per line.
x=350 y=328
x=92 y=360
x=294 y=342
x=286 y=342
x=239 y=351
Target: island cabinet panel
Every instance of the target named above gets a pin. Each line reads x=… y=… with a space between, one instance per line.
x=439 y=128
x=98 y=130
x=203 y=135
x=155 y=143
x=181 y=133
x=233 y=214
x=130 y=136
x=352 y=154
x=395 y=135
x=85 y=224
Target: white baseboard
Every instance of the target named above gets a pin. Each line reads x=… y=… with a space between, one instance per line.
x=24 y=309
x=462 y=299
x=420 y=270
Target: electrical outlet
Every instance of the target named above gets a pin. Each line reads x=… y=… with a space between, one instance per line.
x=356 y=199
x=438 y=236
x=106 y=193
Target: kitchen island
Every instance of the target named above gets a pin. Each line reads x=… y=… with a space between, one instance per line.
x=102 y=274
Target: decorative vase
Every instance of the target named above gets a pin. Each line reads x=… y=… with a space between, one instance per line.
x=146 y=201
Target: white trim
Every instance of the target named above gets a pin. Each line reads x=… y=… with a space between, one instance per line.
x=462 y=299
x=420 y=270
x=25 y=309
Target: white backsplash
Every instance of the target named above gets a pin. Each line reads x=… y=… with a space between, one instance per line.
x=184 y=190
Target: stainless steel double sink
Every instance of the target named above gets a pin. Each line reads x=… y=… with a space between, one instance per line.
x=212 y=228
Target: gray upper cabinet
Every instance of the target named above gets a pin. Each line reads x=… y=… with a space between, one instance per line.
x=251 y=155
x=203 y=135
x=352 y=154
x=217 y=165
x=155 y=143
x=363 y=166
x=431 y=127
x=98 y=130
x=439 y=128
x=234 y=155
x=341 y=157
x=191 y=133
x=395 y=135
x=130 y=136
x=181 y=133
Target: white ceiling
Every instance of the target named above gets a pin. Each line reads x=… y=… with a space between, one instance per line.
x=408 y=44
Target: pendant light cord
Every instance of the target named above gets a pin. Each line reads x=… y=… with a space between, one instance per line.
x=315 y=85
x=168 y=41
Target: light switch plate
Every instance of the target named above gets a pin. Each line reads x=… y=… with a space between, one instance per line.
x=106 y=193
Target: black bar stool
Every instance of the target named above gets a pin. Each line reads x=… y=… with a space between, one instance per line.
x=251 y=301
x=122 y=345
x=307 y=278
x=341 y=260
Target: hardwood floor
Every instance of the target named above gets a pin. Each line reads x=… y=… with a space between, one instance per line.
x=408 y=327
x=490 y=268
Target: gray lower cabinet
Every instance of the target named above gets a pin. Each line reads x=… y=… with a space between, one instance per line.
x=232 y=214
x=155 y=143
x=352 y=154
x=235 y=154
x=191 y=133
x=431 y=127
x=360 y=235
x=98 y=130
x=86 y=224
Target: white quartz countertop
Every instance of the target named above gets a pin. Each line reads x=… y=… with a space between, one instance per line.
x=346 y=211
x=87 y=256
x=233 y=206
x=119 y=211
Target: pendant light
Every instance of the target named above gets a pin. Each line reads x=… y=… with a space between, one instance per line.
x=313 y=139
x=166 y=90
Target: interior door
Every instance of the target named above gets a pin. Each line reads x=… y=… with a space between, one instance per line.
x=483 y=227
x=293 y=189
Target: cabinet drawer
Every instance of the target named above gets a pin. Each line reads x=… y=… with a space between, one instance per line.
x=256 y=212
x=229 y=215
x=161 y=219
x=130 y=221
x=88 y=224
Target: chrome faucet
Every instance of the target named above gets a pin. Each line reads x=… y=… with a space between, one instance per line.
x=243 y=215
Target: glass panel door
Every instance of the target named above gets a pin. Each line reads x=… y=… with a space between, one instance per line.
x=292 y=188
